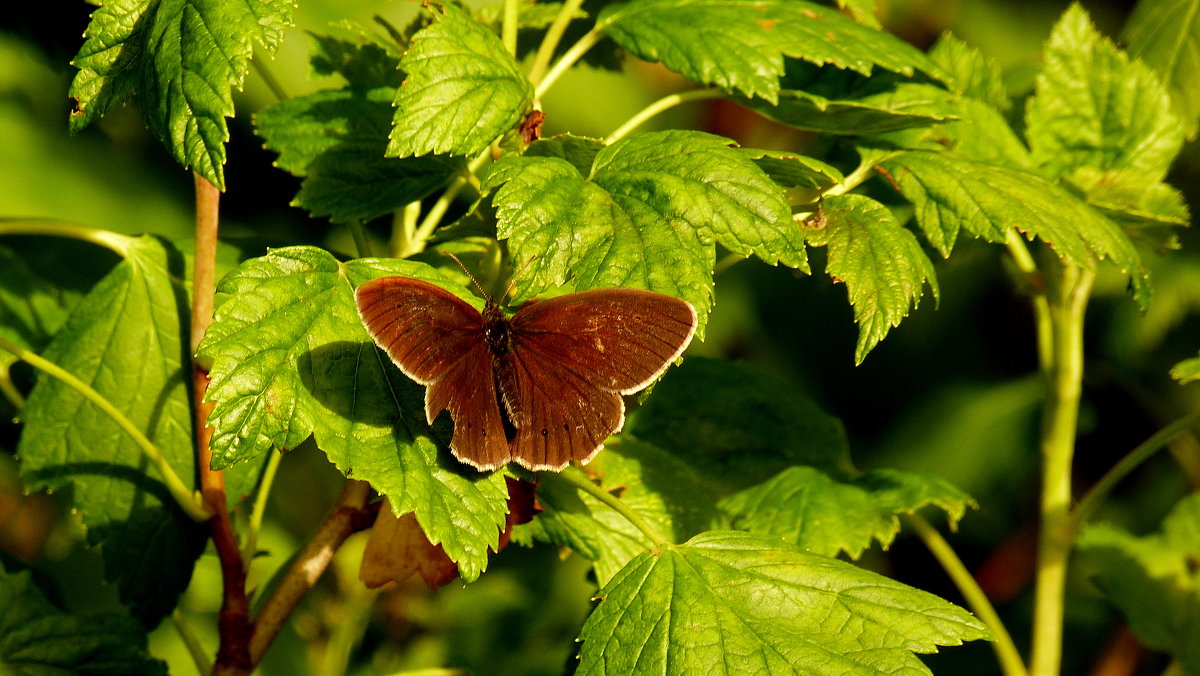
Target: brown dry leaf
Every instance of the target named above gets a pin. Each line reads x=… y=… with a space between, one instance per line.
x=397 y=548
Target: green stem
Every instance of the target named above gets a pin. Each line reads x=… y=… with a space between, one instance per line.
x=361 y=243
x=1058 y=446
x=577 y=478
x=665 y=103
x=8 y=389
x=269 y=78
x=573 y=54
x=1092 y=499
x=727 y=262
x=865 y=170
x=551 y=39
x=1002 y=643
x=404 y=229
x=508 y=29
x=192 y=642
x=434 y=216
x=260 y=506
x=1041 y=306
x=187 y=499
x=33 y=226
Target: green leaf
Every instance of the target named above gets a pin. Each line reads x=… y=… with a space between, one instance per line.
x=790 y=170
x=364 y=64
x=737 y=603
x=820 y=514
x=1165 y=35
x=838 y=101
x=125 y=340
x=862 y=11
x=659 y=487
x=38 y=639
x=1146 y=211
x=463 y=89
x=31 y=311
x=986 y=200
x=336 y=141
x=182 y=58
x=1153 y=580
x=980 y=132
x=1187 y=370
x=879 y=261
x=645 y=217
x=970 y=73
x=736 y=426
x=580 y=151
x=1093 y=107
x=291 y=359
x=740 y=47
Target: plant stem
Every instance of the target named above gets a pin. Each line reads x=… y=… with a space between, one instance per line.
x=192 y=642
x=34 y=226
x=260 y=506
x=573 y=54
x=508 y=28
x=350 y=515
x=1006 y=650
x=665 y=103
x=8 y=389
x=861 y=173
x=577 y=478
x=404 y=229
x=1041 y=306
x=1066 y=312
x=362 y=245
x=551 y=39
x=187 y=499
x=434 y=216
x=233 y=655
x=269 y=78
x=1092 y=499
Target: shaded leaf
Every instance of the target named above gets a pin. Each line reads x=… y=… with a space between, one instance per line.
x=880 y=262
x=820 y=514
x=1165 y=34
x=736 y=426
x=126 y=341
x=740 y=47
x=1186 y=371
x=1093 y=107
x=291 y=358
x=336 y=141
x=790 y=170
x=31 y=311
x=1154 y=580
x=737 y=603
x=182 y=58
x=462 y=91
x=658 y=487
x=36 y=638
x=969 y=72
x=363 y=63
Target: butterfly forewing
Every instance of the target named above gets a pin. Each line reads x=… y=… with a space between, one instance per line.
x=436 y=338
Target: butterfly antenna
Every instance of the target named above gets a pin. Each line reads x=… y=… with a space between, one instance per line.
x=512 y=282
x=478 y=286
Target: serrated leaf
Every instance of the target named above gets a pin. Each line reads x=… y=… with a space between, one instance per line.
x=835 y=101
x=980 y=133
x=579 y=151
x=737 y=603
x=291 y=358
x=336 y=141
x=740 y=46
x=790 y=170
x=125 y=340
x=1148 y=211
x=1153 y=580
x=182 y=58
x=970 y=73
x=31 y=311
x=645 y=217
x=1165 y=34
x=37 y=639
x=862 y=11
x=1093 y=107
x=363 y=64
x=462 y=91
x=736 y=426
x=658 y=487
x=820 y=514
x=1187 y=370
x=986 y=200
x=879 y=261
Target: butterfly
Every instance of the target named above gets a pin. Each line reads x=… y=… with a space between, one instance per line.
x=541 y=388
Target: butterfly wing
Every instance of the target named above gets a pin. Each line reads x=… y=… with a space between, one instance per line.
x=573 y=356
x=436 y=339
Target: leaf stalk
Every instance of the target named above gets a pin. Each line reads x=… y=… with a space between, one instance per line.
x=577 y=478
x=551 y=39
x=663 y=104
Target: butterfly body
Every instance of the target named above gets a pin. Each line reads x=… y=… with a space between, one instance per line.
x=541 y=388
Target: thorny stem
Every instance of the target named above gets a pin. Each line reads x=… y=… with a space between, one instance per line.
x=351 y=514
x=577 y=478
x=183 y=495
x=233 y=656
x=1065 y=378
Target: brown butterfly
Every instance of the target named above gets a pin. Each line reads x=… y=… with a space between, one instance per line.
x=541 y=388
